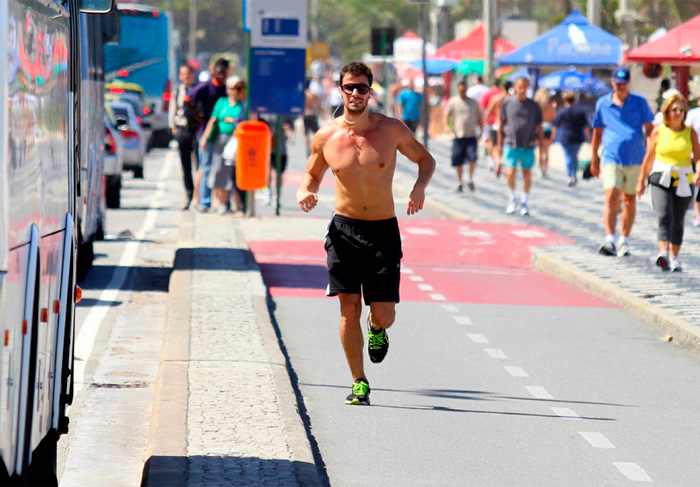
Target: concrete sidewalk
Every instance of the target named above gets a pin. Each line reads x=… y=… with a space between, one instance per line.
x=226 y=410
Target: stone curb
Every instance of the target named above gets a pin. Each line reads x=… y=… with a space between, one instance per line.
x=301 y=451
x=166 y=450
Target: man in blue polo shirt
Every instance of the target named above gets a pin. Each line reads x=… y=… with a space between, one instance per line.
x=622 y=121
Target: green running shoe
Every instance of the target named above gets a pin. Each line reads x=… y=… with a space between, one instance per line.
x=377 y=343
x=360 y=393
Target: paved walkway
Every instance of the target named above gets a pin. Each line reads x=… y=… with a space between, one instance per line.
x=226 y=412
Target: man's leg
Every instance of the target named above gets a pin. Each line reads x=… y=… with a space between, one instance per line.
x=184 y=141
x=382 y=315
x=527 y=180
x=612 y=202
x=204 y=189
x=629 y=212
x=351 y=335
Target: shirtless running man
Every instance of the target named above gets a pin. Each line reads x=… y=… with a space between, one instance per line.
x=363 y=243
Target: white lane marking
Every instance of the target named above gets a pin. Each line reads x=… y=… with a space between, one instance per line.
x=438 y=297
x=632 y=471
x=406 y=270
x=463 y=320
x=528 y=233
x=425 y=287
x=415 y=278
x=420 y=231
x=495 y=353
x=516 y=371
x=566 y=413
x=467 y=232
x=597 y=440
x=85 y=340
x=450 y=308
x=539 y=392
x=478 y=338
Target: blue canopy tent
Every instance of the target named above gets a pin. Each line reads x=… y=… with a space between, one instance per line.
x=572 y=80
x=435 y=66
x=574 y=42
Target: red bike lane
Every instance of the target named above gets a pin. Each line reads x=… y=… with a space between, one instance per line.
x=453 y=261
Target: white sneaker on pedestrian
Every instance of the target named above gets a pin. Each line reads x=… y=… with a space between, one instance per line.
x=512 y=206
x=696 y=221
x=676 y=265
x=662 y=261
x=623 y=249
x=524 y=211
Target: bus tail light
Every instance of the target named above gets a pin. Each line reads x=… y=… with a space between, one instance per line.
x=128 y=133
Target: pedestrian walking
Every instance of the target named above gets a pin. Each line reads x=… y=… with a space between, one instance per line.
x=184 y=128
x=227 y=114
x=464 y=116
x=312 y=107
x=477 y=89
x=519 y=131
x=543 y=97
x=493 y=116
x=200 y=102
x=571 y=124
x=489 y=120
x=693 y=121
x=287 y=132
x=363 y=243
x=622 y=122
x=672 y=153
x=409 y=102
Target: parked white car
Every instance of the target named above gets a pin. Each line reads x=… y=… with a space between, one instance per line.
x=113 y=149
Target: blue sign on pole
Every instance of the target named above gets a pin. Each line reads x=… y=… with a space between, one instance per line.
x=277 y=80
x=277 y=55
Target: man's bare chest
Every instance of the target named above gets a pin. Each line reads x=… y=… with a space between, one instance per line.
x=347 y=150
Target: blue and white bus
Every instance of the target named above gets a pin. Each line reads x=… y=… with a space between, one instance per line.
x=146 y=52
x=40 y=148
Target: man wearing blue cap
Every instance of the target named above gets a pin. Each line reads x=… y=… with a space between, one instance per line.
x=623 y=122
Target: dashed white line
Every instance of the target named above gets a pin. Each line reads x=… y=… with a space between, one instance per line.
x=463 y=320
x=632 y=471
x=466 y=232
x=420 y=231
x=438 y=297
x=450 y=308
x=528 y=233
x=495 y=353
x=516 y=371
x=539 y=392
x=415 y=278
x=477 y=338
x=425 y=287
x=406 y=270
x=566 y=413
x=597 y=440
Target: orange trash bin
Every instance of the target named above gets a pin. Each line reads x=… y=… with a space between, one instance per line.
x=253 y=155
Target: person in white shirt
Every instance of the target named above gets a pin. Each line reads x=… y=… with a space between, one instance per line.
x=692 y=120
x=464 y=116
x=477 y=90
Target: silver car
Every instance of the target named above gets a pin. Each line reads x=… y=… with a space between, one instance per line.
x=132 y=136
x=113 y=149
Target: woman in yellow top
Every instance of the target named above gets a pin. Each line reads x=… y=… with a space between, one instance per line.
x=670 y=168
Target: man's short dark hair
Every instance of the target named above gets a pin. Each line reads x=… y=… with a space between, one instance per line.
x=356 y=69
x=221 y=63
x=188 y=66
x=507 y=85
x=497 y=82
x=462 y=83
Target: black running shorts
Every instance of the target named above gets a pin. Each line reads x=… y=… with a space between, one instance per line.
x=364 y=257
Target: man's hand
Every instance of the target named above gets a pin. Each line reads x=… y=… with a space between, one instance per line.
x=307 y=200
x=415 y=201
x=595 y=165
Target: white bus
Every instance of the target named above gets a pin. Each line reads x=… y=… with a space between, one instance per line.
x=40 y=148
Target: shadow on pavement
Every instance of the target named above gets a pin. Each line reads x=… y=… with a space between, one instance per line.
x=306 y=276
x=213 y=259
x=138 y=278
x=213 y=471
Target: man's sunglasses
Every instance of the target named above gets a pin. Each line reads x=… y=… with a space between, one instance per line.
x=362 y=88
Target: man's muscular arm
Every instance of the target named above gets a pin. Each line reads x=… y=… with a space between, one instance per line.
x=415 y=151
x=316 y=166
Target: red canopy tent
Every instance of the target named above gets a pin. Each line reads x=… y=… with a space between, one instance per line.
x=472 y=46
x=680 y=47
